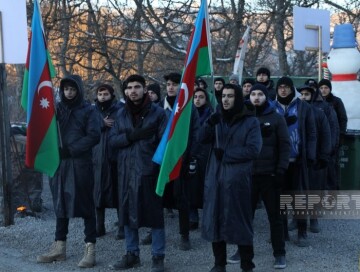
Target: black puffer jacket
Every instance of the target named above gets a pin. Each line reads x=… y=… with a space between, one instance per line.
x=339 y=108
x=275 y=151
x=73 y=183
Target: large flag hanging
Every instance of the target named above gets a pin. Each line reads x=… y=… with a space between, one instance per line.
x=175 y=139
x=240 y=54
x=37 y=99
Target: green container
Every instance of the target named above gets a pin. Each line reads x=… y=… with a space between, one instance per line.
x=350 y=161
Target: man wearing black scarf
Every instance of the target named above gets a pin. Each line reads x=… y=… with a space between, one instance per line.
x=136 y=133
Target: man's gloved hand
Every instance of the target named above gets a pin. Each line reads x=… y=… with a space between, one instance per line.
x=140 y=134
x=64 y=153
x=265 y=129
x=192 y=166
x=219 y=153
x=214 y=119
x=290 y=120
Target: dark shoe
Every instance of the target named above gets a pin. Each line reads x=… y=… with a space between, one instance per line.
x=194 y=225
x=218 y=268
x=314 y=226
x=302 y=240
x=157 y=264
x=280 y=262
x=120 y=235
x=147 y=239
x=293 y=225
x=185 y=243
x=128 y=261
x=234 y=259
x=250 y=270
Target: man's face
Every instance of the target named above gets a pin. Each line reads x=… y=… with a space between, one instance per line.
x=305 y=95
x=199 y=99
x=325 y=90
x=262 y=77
x=171 y=88
x=153 y=96
x=228 y=99
x=218 y=85
x=135 y=92
x=284 y=90
x=246 y=89
x=257 y=98
x=70 y=92
x=202 y=85
x=103 y=95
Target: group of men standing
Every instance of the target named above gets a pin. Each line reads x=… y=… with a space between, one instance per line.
x=257 y=142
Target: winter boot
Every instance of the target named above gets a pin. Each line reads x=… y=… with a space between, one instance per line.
x=157 y=264
x=100 y=222
x=57 y=252
x=89 y=256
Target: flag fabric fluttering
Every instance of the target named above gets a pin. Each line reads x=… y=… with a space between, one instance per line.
x=175 y=139
x=240 y=54
x=37 y=99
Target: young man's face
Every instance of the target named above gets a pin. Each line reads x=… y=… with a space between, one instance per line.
x=218 y=85
x=103 y=95
x=153 y=96
x=171 y=88
x=199 y=99
x=262 y=77
x=305 y=95
x=135 y=92
x=325 y=90
x=246 y=89
x=284 y=90
x=257 y=98
x=70 y=92
x=228 y=99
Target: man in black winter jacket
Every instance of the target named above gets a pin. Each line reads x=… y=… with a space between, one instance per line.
x=333 y=182
x=269 y=168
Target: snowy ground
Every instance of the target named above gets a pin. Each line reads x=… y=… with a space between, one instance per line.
x=335 y=248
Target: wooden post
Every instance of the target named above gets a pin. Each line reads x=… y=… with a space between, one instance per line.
x=5 y=177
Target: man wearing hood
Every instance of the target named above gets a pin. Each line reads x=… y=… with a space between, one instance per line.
x=136 y=133
x=302 y=131
x=235 y=137
x=105 y=164
x=72 y=186
x=263 y=77
x=219 y=83
x=269 y=168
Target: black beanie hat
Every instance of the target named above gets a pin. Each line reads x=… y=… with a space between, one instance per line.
x=307 y=88
x=260 y=87
x=263 y=70
x=107 y=87
x=248 y=80
x=311 y=83
x=285 y=81
x=325 y=82
x=155 y=87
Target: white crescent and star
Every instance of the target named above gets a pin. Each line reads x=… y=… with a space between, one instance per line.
x=44 y=103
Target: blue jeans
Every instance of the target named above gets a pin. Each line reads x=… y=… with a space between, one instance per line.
x=157 y=245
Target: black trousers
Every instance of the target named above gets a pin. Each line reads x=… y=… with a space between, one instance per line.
x=266 y=187
x=62 y=229
x=291 y=183
x=246 y=255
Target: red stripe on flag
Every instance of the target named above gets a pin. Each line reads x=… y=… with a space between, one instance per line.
x=42 y=113
x=175 y=173
x=203 y=38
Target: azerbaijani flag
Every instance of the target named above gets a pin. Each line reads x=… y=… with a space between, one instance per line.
x=42 y=151
x=175 y=139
